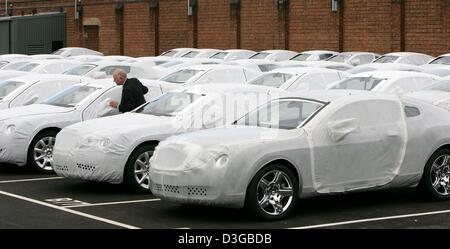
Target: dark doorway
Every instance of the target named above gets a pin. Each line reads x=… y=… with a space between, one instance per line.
x=90 y=37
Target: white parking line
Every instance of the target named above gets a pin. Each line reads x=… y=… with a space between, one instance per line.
x=32 y=179
x=93 y=217
x=112 y=203
x=371 y=219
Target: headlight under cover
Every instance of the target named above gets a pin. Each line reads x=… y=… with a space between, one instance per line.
x=8 y=129
x=219 y=157
x=101 y=143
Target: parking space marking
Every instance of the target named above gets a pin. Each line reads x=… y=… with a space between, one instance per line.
x=93 y=217
x=372 y=219
x=112 y=203
x=32 y=179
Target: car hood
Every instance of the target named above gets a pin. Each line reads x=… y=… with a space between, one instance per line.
x=230 y=136
x=128 y=123
x=32 y=110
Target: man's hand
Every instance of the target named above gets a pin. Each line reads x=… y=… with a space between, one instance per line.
x=113 y=104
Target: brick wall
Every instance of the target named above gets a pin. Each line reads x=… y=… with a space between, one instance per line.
x=138 y=30
x=370 y=25
x=313 y=26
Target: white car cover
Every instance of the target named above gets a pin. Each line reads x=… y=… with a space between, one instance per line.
x=19 y=125
x=35 y=88
x=391 y=137
x=98 y=150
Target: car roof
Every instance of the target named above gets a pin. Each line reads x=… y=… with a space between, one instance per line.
x=318 y=52
x=391 y=74
x=301 y=70
x=405 y=54
x=229 y=88
x=45 y=77
x=335 y=95
x=276 y=51
x=211 y=66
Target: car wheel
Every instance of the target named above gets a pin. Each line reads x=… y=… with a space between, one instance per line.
x=273 y=192
x=137 y=169
x=40 y=152
x=435 y=182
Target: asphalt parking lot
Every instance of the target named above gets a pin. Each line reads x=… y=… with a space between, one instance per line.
x=30 y=200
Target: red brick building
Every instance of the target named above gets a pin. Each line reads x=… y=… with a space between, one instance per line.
x=148 y=27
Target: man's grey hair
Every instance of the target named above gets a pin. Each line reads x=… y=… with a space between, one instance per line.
x=120 y=72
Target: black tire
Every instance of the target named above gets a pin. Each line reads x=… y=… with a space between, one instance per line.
x=429 y=176
x=129 y=173
x=254 y=193
x=32 y=163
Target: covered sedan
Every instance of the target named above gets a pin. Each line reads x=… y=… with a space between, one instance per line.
x=27 y=133
x=307 y=144
x=274 y=55
x=405 y=57
x=55 y=66
x=33 y=88
x=301 y=78
x=399 y=82
x=117 y=149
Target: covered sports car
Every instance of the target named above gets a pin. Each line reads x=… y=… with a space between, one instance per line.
x=117 y=149
x=27 y=133
x=306 y=144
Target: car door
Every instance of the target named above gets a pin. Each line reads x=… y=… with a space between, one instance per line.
x=358 y=145
x=100 y=106
x=40 y=91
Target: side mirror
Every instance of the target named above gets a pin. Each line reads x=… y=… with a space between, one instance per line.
x=338 y=130
x=31 y=100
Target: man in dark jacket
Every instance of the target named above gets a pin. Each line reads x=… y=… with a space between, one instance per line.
x=132 y=93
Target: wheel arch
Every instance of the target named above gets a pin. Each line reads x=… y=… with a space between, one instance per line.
x=286 y=162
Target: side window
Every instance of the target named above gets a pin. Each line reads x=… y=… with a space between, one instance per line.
x=100 y=107
x=324 y=56
x=411 y=111
x=314 y=81
x=110 y=69
x=223 y=76
x=40 y=92
x=267 y=67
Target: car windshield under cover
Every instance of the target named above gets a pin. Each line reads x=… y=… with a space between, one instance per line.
x=282 y=114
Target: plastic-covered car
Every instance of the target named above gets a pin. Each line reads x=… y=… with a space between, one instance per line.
x=206 y=74
x=321 y=64
x=75 y=51
x=27 y=133
x=258 y=65
x=437 y=94
x=301 y=78
x=308 y=144
x=443 y=60
x=405 y=57
x=32 y=88
x=200 y=53
x=104 y=69
x=354 y=58
x=233 y=54
x=118 y=149
x=163 y=69
x=385 y=66
x=39 y=67
x=274 y=55
x=176 y=52
x=398 y=82
x=313 y=55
